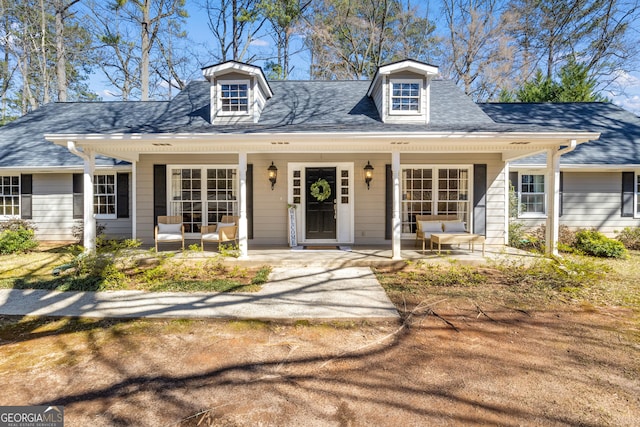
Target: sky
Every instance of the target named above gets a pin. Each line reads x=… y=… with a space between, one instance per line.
x=629 y=83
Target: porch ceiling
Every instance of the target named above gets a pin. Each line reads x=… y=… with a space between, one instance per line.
x=512 y=145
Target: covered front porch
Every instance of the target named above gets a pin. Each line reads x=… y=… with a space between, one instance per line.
x=375 y=214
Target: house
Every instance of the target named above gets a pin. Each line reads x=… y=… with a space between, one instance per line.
x=599 y=181
x=210 y=151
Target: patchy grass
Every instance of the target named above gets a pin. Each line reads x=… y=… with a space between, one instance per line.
x=128 y=270
x=573 y=279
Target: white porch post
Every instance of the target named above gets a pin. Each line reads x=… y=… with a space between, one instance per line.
x=507 y=204
x=243 y=225
x=89 y=219
x=134 y=200
x=396 y=237
x=553 y=201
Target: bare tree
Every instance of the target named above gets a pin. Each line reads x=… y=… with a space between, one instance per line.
x=479 y=53
x=61 y=10
x=149 y=16
x=351 y=39
x=234 y=24
x=596 y=32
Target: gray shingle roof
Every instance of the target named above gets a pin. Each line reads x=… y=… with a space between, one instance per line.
x=619 y=142
x=297 y=106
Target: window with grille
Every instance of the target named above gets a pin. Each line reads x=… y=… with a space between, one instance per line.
x=434 y=191
x=532 y=196
x=203 y=195
x=405 y=97
x=234 y=97
x=104 y=196
x=9 y=196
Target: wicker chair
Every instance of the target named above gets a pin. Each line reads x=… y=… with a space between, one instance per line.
x=224 y=231
x=169 y=229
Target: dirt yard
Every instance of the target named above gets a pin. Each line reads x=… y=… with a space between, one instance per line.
x=502 y=366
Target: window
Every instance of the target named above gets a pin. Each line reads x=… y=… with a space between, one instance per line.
x=104 y=196
x=203 y=195
x=234 y=97
x=9 y=196
x=434 y=191
x=532 y=197
x=110 y=195
x=405 y=97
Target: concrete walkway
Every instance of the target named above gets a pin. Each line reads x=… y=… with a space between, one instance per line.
x=323 y=293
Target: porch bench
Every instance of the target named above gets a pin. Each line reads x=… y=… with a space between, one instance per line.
x=453 y=238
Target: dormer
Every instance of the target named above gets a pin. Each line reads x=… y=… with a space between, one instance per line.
x=238 y=92
x=401 y=91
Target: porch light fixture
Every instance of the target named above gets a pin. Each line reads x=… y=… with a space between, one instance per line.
x=368 y=173
x=273 y=174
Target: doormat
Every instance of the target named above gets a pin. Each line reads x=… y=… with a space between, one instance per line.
x=321 y=248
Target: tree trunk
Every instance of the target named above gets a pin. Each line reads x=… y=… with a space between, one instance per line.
x=146 y=48
x=61 y=56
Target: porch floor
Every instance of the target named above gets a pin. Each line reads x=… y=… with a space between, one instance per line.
x=359 y=255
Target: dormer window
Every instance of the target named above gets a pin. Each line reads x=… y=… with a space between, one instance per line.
x=405 y=96
x=400 y=91
x=234 y=97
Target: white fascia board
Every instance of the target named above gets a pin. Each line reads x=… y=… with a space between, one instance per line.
x=63 y=169
x=416 y=67
x=510 y=137
x=579 y=167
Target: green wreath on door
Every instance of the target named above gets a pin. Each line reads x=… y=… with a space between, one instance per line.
x=321 y=190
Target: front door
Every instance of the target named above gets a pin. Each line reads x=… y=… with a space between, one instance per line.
x=320 y=204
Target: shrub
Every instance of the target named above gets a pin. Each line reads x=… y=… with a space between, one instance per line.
x=16 y=236
x=630 y=237
x=535 y=239
x=517 y=235
x=594 y=243
x=16 y=224
x=555 y=273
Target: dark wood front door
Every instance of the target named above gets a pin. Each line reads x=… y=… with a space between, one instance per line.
x=320 y=209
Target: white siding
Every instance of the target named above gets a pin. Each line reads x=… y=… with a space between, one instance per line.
x=270 y=207
x=592 y=200
x=52 y=203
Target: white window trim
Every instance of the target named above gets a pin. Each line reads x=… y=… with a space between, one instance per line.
x=219 y=97
x=544 y=193
x=421 y=95
x=203 y=198
x=9 y=217
x=115 y=195
x=435 y=168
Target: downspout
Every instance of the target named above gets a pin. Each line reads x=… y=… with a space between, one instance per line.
x=89 y=222
x=553 y=219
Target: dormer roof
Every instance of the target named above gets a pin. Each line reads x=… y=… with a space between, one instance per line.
x=411 y=65
x=213 y=71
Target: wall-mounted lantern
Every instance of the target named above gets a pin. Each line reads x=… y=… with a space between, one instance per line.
x=368 y=173
x=273 y=174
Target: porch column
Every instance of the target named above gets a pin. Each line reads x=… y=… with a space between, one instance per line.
x=396 y=234
x=242 y=225
x=134 y=200
x=553 y=201
x=89 y=219
x=507 y=204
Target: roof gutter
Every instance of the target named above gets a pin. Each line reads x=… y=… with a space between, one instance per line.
x=572 y=146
